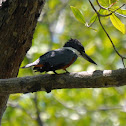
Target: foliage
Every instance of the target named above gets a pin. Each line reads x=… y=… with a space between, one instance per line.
x=76 y=107
x=114 y=19
x=117 y=23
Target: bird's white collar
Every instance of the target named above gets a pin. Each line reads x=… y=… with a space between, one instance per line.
x=72 y=49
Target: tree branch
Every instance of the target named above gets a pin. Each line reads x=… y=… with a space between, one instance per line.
x=46 y=82
x=99 y=15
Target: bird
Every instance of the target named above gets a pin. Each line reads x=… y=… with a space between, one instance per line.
x=60 y=58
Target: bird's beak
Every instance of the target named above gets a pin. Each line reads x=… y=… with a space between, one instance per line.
x=85 y=56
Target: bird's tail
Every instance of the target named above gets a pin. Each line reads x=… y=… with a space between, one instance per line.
x=28 y=65
x=31 y=64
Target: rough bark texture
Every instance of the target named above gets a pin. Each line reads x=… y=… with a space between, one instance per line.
x=95 y=79
x=18 y=19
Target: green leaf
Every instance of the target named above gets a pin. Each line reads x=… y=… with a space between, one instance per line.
x=117 y=23
x=121 y=11
x=78 y=14
x=104 y=12
x=93 y=18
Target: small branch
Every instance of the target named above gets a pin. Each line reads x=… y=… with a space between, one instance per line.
x=101 y=7
x=122 y=57
x=98 y=12
x=46 y=82
x=38 y=118
x=87 y=110
x=17 y=106
x=110 y=39
x=120 y=14
x=99 y=15
x=119 y=7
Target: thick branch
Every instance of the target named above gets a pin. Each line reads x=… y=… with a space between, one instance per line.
x=95 y=79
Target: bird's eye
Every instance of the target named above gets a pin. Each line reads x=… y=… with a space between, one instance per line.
x=82 y=48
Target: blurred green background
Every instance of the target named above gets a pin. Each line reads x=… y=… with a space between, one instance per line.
x=75 y=107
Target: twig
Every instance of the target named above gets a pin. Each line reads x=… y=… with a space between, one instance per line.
x=101 y=5
x=16 y=105
x=99 y=15
x=38 y=119
x=120 y=14
x=86 y=110
x=98 y=12
x=110 y=39
x=118 y=9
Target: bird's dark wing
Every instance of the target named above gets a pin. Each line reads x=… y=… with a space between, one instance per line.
x=57 y=59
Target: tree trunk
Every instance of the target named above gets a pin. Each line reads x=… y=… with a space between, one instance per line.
x=18 y=19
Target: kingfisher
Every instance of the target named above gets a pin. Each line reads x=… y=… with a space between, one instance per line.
x=60 y=58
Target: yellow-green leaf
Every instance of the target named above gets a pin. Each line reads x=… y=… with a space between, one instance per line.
x=78 y=14
x=117 y=23
x=93 y=18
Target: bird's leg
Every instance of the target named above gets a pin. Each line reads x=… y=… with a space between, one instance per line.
x=54 y=72
x=66 y=71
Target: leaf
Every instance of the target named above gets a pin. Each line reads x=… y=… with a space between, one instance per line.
x=93 y=18
x=121 y=11
x=78 y=14
x=104 y=12
x=117 y=23
x=124 y=12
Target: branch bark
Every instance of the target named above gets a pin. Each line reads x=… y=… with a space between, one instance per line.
x=46 y=82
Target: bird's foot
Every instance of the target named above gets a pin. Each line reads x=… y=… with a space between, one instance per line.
x=55 y=72
x=66 y=71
